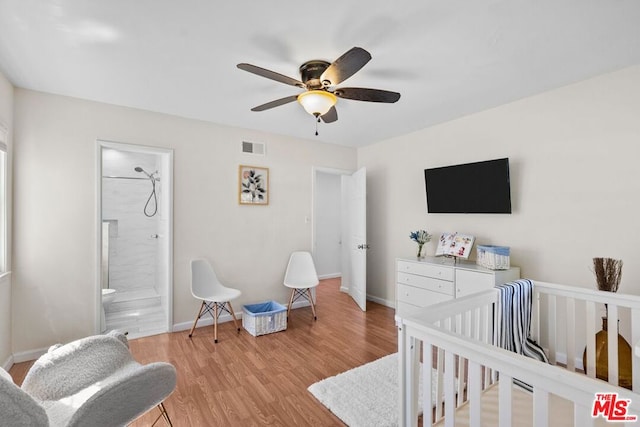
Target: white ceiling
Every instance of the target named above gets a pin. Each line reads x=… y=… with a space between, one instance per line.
x=447 y=58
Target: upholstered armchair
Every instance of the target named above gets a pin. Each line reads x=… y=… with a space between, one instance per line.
x=93 y=381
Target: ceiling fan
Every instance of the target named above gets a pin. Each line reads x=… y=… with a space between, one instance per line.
x=319 y=79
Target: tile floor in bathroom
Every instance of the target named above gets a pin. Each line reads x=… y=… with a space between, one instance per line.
x=139 y=313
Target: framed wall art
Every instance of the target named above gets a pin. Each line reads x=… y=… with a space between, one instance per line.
x=253 y=185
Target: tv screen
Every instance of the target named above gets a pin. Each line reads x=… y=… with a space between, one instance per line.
x=480 y=187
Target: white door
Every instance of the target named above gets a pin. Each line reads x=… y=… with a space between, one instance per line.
x=355 y=229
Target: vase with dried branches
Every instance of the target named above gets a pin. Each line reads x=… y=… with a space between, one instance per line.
x=608 y=272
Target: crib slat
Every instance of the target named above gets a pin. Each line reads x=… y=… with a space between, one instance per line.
x=486 y=338
x=635 y=339
x=476 y=324
x=496 y=321
x=439 y=382
x=540 y=407
x=449 y=389
x=475 y=393
x=552 y=328
x=504 y=400
x=612 y=329
x=408 y=364
x=589 y=338
x=465 y=331
x=427 y=398
x=571 y=333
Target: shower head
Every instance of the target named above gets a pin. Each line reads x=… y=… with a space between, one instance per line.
x=139 y=169
x=151 y=176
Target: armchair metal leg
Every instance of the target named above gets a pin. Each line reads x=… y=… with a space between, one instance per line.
x=163 y=414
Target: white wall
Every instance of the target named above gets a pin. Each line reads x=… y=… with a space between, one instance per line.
x=328 y=225
x=6 y=118
x=55 y=261
x=574 y=155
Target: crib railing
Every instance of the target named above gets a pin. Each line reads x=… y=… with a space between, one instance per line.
x=458 y=334
x=565 y=302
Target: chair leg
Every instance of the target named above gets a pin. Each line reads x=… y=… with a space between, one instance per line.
x=197 y=318
x=233 y=316
x=163 y=414
x=215 y=322
x=313 y=308
x=293 y=292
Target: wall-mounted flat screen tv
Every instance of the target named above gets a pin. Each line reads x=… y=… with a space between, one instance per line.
x=480 y=187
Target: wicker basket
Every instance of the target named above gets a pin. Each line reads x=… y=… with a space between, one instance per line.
x=264 y=318
x=493 y=257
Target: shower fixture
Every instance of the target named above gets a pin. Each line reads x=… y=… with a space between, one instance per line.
x=153 y=180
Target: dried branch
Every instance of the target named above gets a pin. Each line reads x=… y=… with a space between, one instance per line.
x=608 y=273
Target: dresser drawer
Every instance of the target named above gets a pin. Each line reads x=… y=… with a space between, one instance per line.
x=424 y=269
x=428 y=283
x=420 y=297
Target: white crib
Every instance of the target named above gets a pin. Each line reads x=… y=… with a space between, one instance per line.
x=458 y=334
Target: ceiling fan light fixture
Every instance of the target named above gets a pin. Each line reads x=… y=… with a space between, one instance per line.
x=317 y=102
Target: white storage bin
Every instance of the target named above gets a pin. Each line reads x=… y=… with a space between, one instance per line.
x=264 y=318
x=493 y=257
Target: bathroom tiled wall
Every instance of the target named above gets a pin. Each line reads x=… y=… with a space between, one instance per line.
x=133 y=251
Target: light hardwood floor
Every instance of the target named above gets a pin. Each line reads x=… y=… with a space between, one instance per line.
x=254 y=381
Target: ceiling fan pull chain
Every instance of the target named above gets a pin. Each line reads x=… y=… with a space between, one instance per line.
x=317 y=121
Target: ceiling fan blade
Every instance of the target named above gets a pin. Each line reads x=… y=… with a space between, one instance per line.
x=276 y=103
x=370 y=95
x=263 y=72
x=345 y=66
x=330 y=116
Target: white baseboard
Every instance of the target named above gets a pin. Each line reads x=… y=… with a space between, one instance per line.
x=205 y=321
x=8 y=363
x=329 y=276
x=381 y=301
x=25 y=356
x=226 y=317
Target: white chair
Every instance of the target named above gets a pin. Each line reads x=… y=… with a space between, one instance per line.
x=301 y=277
x=214 y=295
x=93 y=381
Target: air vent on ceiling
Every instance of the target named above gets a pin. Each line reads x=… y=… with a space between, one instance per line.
x=256 y=148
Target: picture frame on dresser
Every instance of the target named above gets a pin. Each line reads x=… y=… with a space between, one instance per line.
x=455 y=244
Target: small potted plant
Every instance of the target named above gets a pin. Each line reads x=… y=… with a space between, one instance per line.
x=420 y=237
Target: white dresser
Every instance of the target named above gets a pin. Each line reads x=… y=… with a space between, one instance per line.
x=432 y=280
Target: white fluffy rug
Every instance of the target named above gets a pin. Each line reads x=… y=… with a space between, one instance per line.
x=364 y=396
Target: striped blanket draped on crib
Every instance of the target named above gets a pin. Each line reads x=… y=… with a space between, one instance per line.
x=513 y=326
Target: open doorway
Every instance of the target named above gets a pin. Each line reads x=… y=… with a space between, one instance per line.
x=339 y=229
x=327 y=223
x=135 y=239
